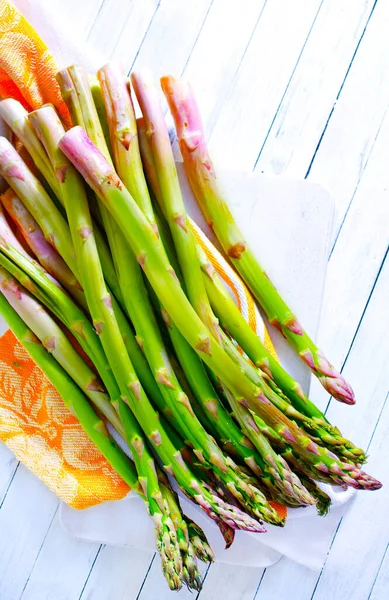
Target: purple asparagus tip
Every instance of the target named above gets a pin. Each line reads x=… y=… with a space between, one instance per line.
x=333 y=381
x=338 y=388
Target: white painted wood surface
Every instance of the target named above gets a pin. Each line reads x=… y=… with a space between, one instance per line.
x=298 y=88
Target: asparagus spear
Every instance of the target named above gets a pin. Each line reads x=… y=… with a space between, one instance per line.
x=173 y=203
x=55 y=341
x=98 y=101
x=150 y=253
x=175 y=212
x=323 y=501
x=106 y=325
x=191 y=532
x=233 y=321
x=330 y=436
x=38 y=202
x=78 y=97
x=222 y=422
x=199 y=542
x=8 y=235
x=104 y=406
x=17 y=118
x=95 y=428
x=191 y=573
x=46 y=254
x=76 y=321
x=142 y=315
x=203 y=180
x=124 y=136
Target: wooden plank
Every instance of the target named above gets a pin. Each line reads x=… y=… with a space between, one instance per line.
x=86 y=14
x=25 y=518
x=117 y=573
x=60 y=557
x=287 y=579
x=260 y=81
x=120 y=27
x=301 y=117
x=366 y=367
x=171 y=36
x=358 y=114
x=362 y=526
x=356 y=260
x=230 y=583
x=219 y=51
x=8 y=466
x=380 y=587
x=358 y=253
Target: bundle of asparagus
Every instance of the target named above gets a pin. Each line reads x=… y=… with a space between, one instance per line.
x=111 y=254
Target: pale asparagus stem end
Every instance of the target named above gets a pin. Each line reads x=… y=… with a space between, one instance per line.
x=88 y=160
x=329 y=377
x=184 y=109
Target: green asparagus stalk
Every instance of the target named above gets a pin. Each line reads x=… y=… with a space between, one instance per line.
x=75 y=320
x=191 y=574
x=285 y=479
x=141 y=312
x=203 y=180
x=137 y=357
x=128 y=382
x=37 y=201
x=56 y=342
x=46 y=254
x=98 y=101
x=323 y=501
x=329 y=435
x=191 y=532
x=8 y=235
x=233 y=321
x=174 y=209
x=151 y=255
x=17 y=118
x=224 y=426
x=124 y=136
x=142 y=315
x=199 y=542
x=77 y=94
x=96 y=430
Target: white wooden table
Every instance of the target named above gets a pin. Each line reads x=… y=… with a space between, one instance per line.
x=297 y=88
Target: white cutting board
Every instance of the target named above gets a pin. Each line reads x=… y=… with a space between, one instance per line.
x=287 y=224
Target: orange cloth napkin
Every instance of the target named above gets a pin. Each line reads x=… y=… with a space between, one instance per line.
x=34 y=423
x=27 y=69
